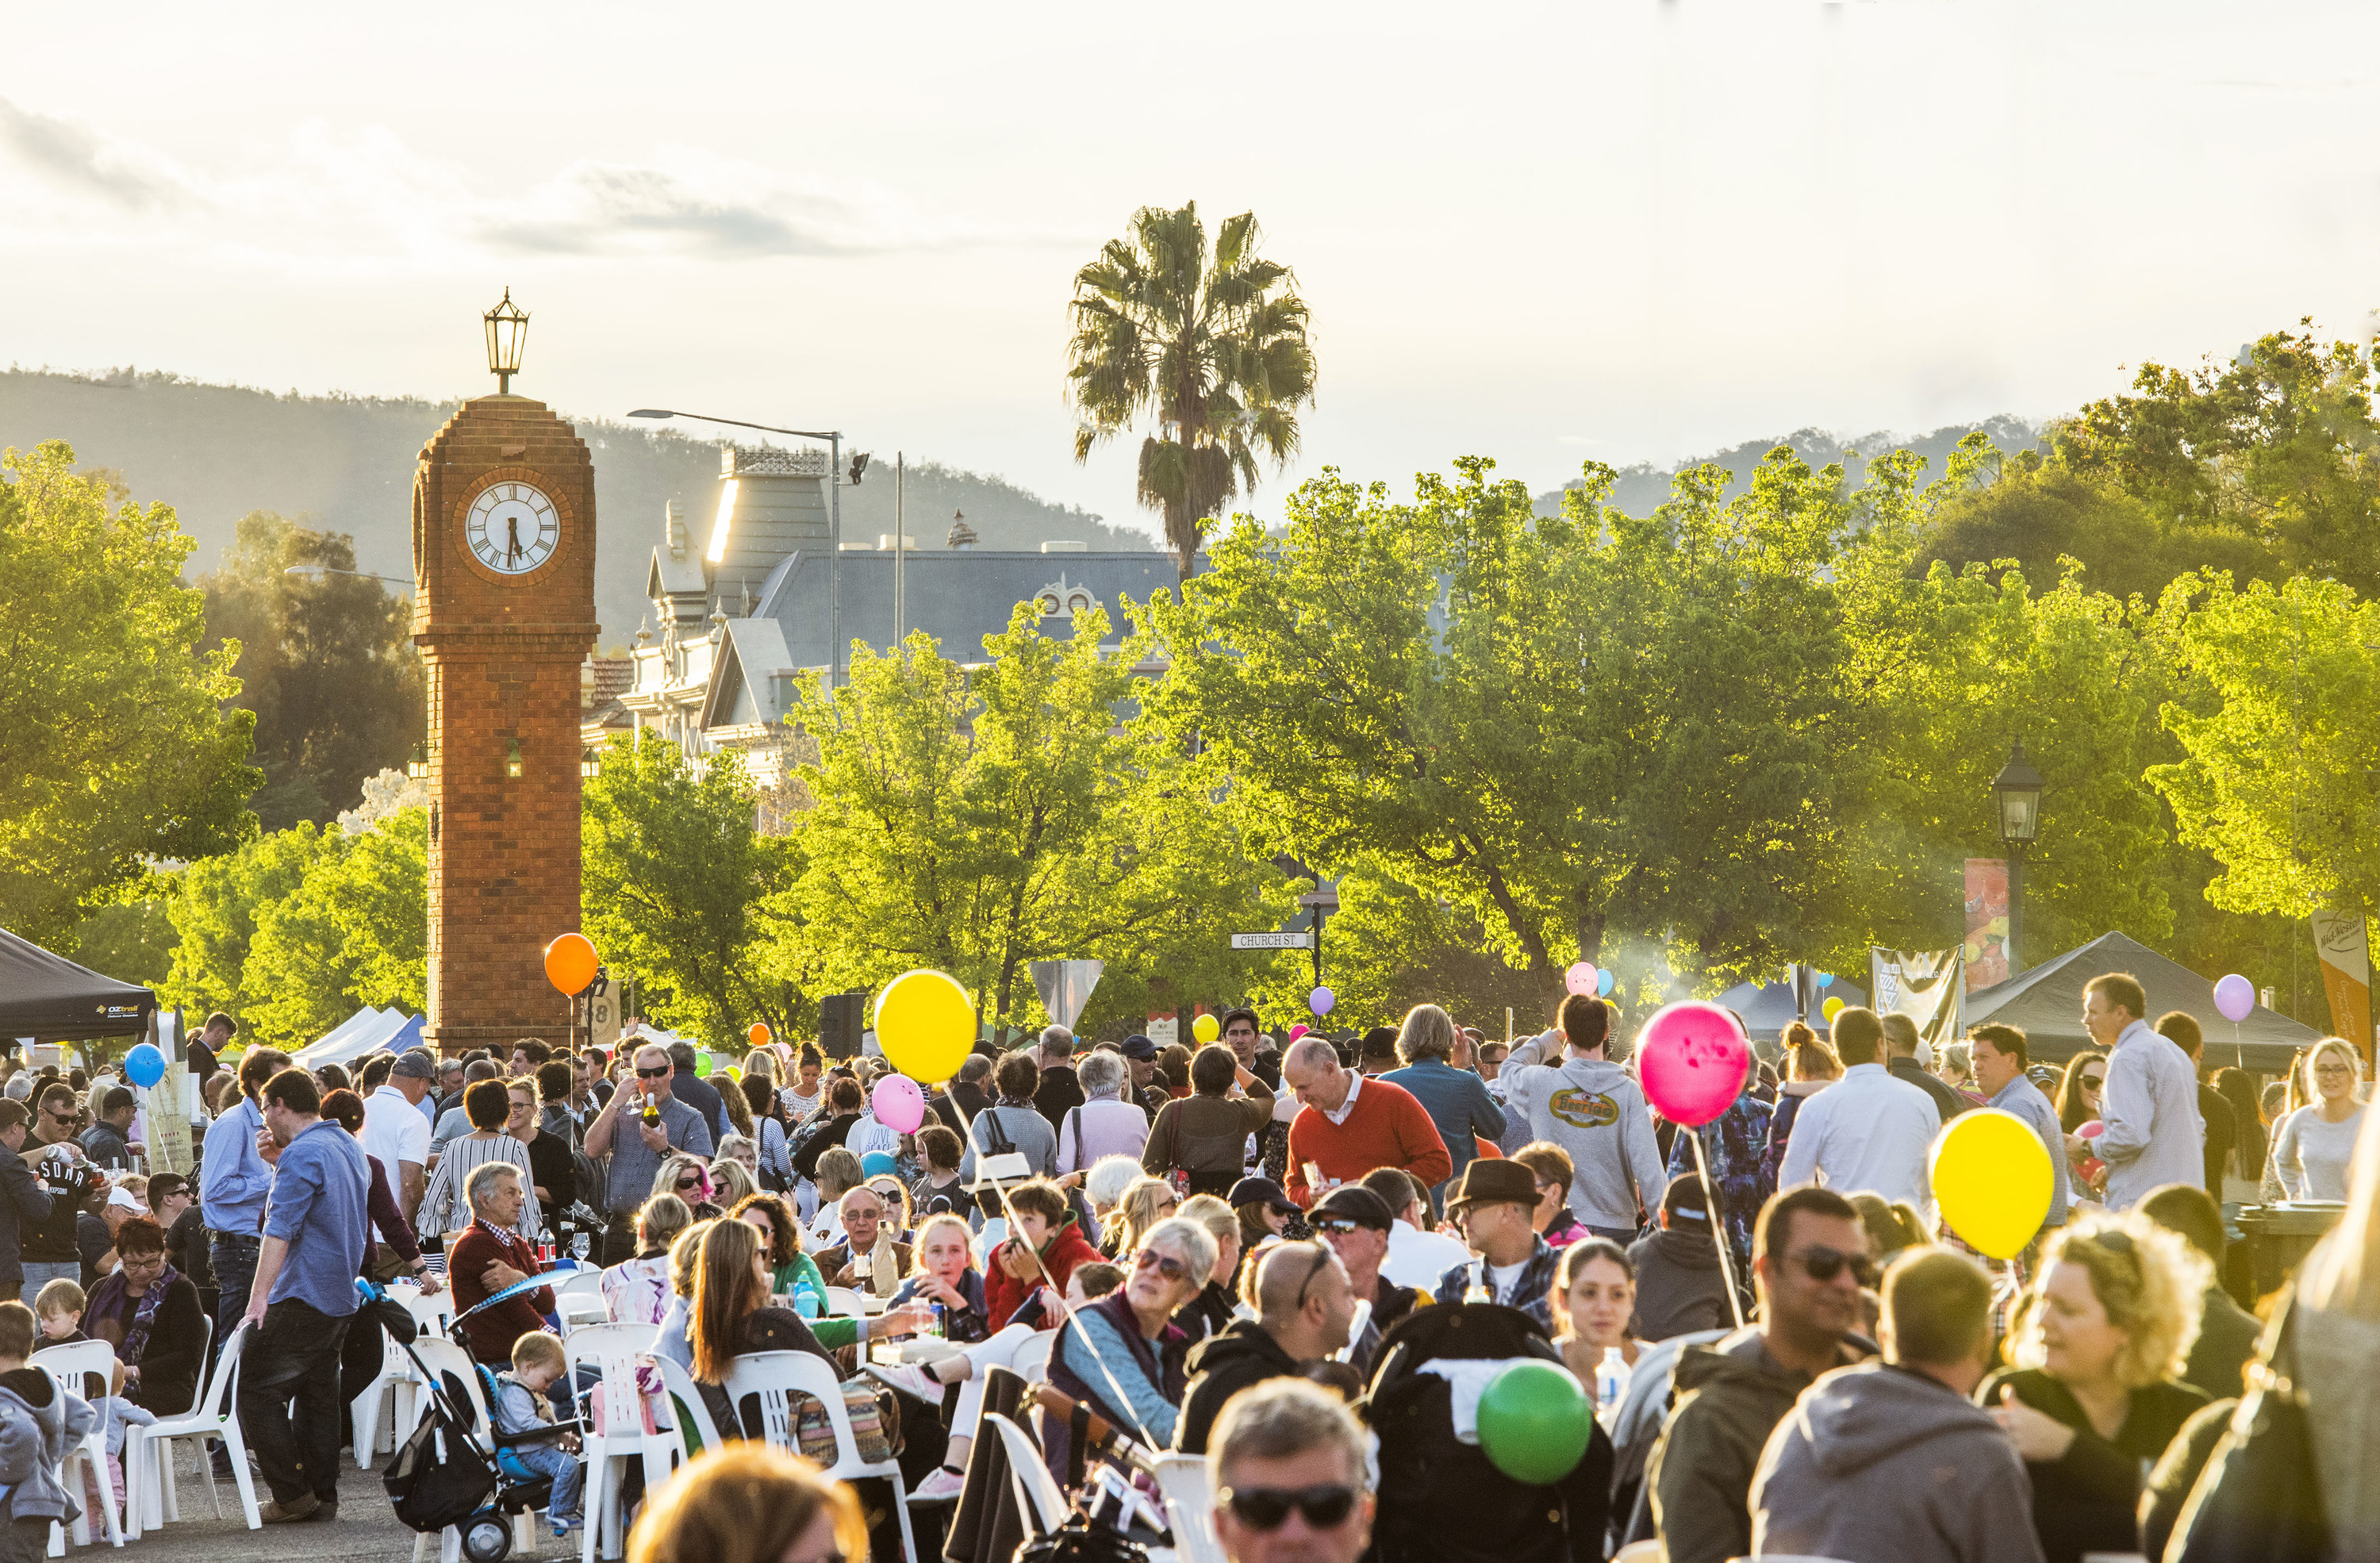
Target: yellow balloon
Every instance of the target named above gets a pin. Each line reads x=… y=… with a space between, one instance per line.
x=1832 y=1008
x=734 y=1073
x=1993 y=1178
x=1205 y=1028
x=926 y=1024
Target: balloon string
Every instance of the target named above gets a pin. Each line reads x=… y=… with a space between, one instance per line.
x=1717 y=1226
x=1049 y=1292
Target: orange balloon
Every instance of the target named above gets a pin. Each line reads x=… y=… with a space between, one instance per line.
x=570 y=962
x=759 y=1034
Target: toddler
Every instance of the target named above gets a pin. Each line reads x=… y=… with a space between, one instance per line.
x=59 y=1307
x=521 y=1408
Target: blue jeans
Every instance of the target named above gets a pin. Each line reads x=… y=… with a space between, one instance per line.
x=234 y=1259
x=568 y=1475
x=40 y=1273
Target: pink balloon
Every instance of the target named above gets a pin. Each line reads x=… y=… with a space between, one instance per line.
x=1300 y=1029
x=1690 y=1060
x=2235 y=996
x=1579 y=978
x=2092 y=1130
x=900 y=1106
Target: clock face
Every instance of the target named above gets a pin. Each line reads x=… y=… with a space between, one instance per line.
x=512 y=528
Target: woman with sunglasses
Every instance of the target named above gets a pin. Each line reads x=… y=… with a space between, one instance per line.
x=2078 y=1103
x=2316 y=1143
x=685 y=1176
x=2100 y=1342
x=1127 y=1341
x=1146 y=1201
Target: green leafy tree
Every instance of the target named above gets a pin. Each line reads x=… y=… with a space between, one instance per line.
x=1579 y=729
x=1207 y=345
x=131 y=940
x=676 y=886
x=976 y=821
x=115 y=750
x=355 y=931
x=215 y=916
x=2278 y=445
x=326 y=663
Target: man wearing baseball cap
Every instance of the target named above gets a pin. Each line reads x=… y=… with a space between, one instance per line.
x=394 y=1130
x=1493 y=1205
x=1355 y=1222
x=1141 y=1053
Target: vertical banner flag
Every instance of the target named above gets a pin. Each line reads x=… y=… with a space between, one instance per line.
x=1924 y=985
x=1987 y=922
x=2345 y=950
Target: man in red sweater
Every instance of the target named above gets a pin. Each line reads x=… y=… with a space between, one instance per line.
x=1350 y=1125
x=491 y=1257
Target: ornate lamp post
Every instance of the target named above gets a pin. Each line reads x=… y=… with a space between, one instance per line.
x=508 y=330
x=2017 y=789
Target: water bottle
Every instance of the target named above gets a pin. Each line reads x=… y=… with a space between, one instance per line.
x=1611 y=1382
x=806 y=1300
x=936 y=1330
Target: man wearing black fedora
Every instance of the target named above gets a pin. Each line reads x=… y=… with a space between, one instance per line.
x=1514 y=1267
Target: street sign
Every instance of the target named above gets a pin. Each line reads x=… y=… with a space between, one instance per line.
x=1272 y=942
x=1328 y=899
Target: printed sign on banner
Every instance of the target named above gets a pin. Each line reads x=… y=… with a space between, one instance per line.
x=1164 y=1030
x=2345 y=950
x=1987 y=922
x=1924 y=985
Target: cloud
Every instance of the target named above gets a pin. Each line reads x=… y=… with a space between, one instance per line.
x=75 y=156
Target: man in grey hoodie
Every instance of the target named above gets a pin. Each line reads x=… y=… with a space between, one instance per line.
x=1595 y=1112
x=1891 y=1461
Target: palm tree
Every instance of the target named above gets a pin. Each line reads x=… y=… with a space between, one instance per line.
x=1209 y=346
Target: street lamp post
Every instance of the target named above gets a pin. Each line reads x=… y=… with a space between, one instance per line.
x=833 y=437
x=507 y=333
x=2017 y=790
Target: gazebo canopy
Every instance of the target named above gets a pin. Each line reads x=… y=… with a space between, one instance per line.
x=50 y=999
x=1768 y=1007
x=2045 y=1004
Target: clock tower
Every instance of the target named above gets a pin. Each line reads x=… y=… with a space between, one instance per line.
x=503 y=571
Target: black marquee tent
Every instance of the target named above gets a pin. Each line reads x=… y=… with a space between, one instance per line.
x=50 y=999
x=2045 y=1004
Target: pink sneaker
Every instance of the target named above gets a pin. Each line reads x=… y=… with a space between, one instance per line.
x=912 y=1381
x=943 y=1487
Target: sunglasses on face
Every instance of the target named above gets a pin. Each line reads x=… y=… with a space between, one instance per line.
x=2093 y=1082
x=1338 y=1227
x=1172 y=1269
x=1823 y=1265
x=662 y=1074
x=1267 y=1509
x=689 y=1183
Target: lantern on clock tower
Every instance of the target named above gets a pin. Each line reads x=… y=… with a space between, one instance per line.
x=503 y=564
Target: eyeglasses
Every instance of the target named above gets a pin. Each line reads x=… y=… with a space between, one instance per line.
x=689 y=1183
x=1338 y=1227
x=2333 y=1069
x=2093 y=1082
x=1823 y=1265
x=59 y=1117
x=1267 y=1509
x=662 y=1074
x=1321 y=1257
x=1172 y=1269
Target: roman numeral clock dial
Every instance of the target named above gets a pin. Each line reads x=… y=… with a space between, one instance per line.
x=512 y=528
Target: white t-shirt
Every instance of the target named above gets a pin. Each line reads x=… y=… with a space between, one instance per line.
x=1501 y=1279
x=394 y=1131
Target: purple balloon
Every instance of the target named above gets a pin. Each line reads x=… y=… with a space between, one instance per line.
x=2235 y=996
x=1320 y=1001
x=900 y=1106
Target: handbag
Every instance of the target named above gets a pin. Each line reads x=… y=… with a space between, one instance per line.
x=2259 y=1497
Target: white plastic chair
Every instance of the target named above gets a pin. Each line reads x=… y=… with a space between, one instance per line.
x=1638 y=1552
x=1039 y=1496
x=686 y=1396
x=1031 y=1360
x=1189 y=1507
x=579 y=1300
x=845 y=1302
x=775 y=1377
x=1355 y=1331
x=67 y=1367
x=149 y=1488
x=614 y=1349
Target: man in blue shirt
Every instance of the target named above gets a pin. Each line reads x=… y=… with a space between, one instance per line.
x=1997 y=1054
x=1457 y=1100
x=235 y=1181
x=303 y=1296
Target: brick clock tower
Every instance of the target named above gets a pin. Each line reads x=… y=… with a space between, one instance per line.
x=503 y=569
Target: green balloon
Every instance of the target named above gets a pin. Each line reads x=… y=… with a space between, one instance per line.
x=1535 y=1422
x=701 y=1063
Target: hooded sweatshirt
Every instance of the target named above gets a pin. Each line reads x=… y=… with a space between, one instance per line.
x=1680 y=1287
x=1220 y=1368
x=1597 y=1113
x=1065 y=1249
x=38 y=1424
x=1881 y=1464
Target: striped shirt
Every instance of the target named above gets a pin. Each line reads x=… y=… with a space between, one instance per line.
x=445 y=1208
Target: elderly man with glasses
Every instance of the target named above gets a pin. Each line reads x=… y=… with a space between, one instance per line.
x=1303 y=1308
x=658 y=1126
x=1286 y=1461
x=862 y=1212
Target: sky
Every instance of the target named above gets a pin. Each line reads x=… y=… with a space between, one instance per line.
x=1624 y=230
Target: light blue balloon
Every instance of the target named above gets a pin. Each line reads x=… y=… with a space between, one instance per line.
x=1826 y=979
x=144 y=1066
x=876 y=1163
x=1604 y=981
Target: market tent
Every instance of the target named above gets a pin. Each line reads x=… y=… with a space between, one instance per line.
x=2045 y=1004
x=364 y=1033
x=50 y=999
x=1767 y=1008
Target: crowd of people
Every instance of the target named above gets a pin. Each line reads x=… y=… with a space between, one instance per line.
x=1212 y=1250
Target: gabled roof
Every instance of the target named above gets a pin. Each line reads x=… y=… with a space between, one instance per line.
x=2045 y=1004
x=744 y=689
x=675 y=575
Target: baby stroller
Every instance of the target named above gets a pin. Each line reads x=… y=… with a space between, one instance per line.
x=455 y=1469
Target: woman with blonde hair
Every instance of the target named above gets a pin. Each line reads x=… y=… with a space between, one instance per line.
x=838 y=1174
x=686 y=1177
x=636 y=1290
x=1210 y=1313
x=1146 y=1201
x=748 y=1503
x=2100 y=1342
x=2314 y=1145
x=731 y=1179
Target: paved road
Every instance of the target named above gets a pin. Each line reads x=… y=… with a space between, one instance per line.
x=366 y=1529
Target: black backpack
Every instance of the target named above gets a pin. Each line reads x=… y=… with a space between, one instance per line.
x=441 y=1476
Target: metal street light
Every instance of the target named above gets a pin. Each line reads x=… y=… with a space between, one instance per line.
x=418 y=767
x=512 y=758
x=508 y=331
x=833 y=437
x=2017 y=790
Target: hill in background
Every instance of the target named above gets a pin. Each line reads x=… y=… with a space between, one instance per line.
x=214 y=452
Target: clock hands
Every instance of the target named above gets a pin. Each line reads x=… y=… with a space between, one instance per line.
x=512 y=547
